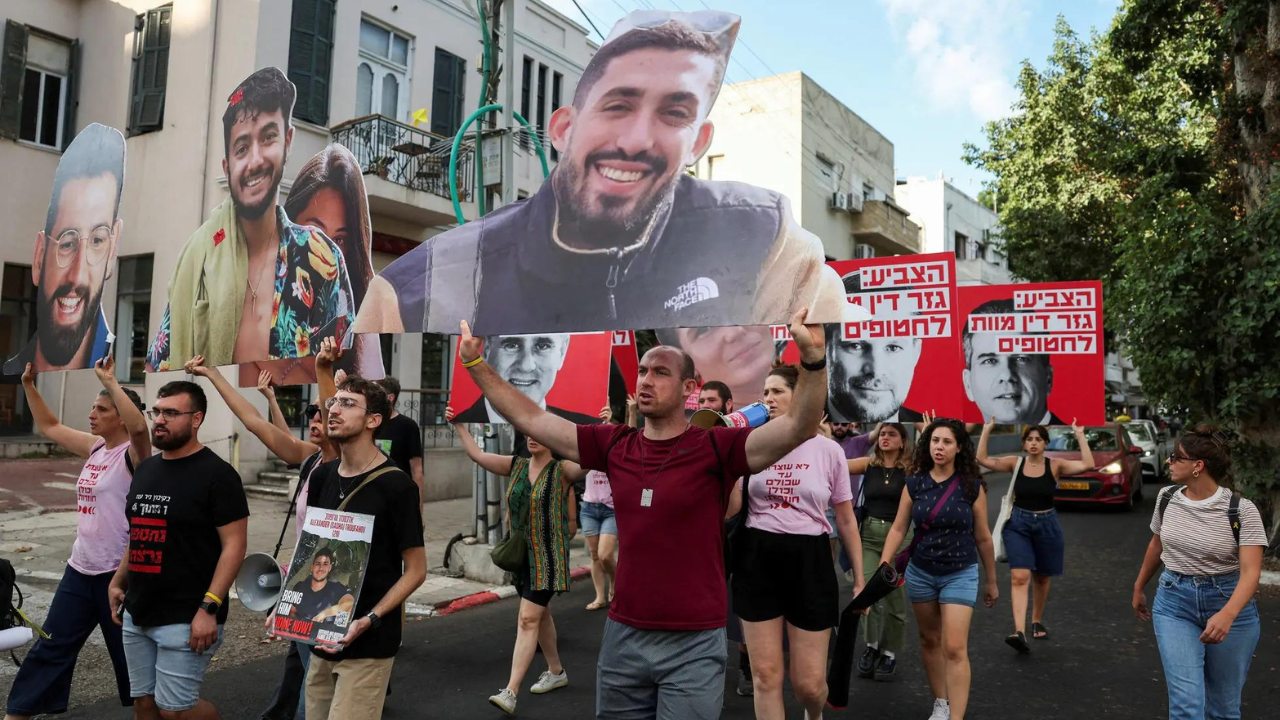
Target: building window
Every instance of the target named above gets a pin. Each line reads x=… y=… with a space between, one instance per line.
x=557 y=85
x=133 y=316
x=963 y=251
x=715 y=167
x=448 y=93
x=17 y=325
x=526 y=90
x=382 y=74
x=150 y=69
x=311 y=58
x=37 y=87
x=541 y=110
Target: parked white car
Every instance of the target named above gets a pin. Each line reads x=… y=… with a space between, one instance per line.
x=1155 y=448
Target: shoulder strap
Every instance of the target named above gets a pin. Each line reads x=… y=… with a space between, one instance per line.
x=1233 y=514
x=372 y=476
x=1014 y=480
x=1165 y=496
x=937 y=507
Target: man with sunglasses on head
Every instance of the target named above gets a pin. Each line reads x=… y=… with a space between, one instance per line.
x=74 y=255
x=620 y=236
x=188 y=521
x=348 y=681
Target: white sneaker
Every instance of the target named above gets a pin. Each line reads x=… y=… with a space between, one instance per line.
x=941 y=710
x=505 y=701
x=548 y=681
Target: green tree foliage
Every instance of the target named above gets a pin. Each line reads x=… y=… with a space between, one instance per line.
x=1149 y=157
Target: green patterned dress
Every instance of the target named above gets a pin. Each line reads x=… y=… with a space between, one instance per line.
x=541 y=509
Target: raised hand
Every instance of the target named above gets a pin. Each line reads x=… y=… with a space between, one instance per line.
x=809 y=339
x=265 y=386
x=330 y=353
x=989 y=425
x=339 y=377
x=469 y=347
x=105 y=369
x=449 y=414
x=606 y=414
x=824 y=428
x=195 y=366
x=1078 y=430
x=29 y=376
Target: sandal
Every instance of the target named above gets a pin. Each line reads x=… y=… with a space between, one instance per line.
x=596 y=605
x=1018 y=641
x=1039 y=631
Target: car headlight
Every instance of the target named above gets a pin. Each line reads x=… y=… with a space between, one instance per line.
x=1114 y=468
x=1146 y=453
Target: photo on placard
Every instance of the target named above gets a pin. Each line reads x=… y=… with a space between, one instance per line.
x=1033 y=353
x=568 y=375
x=325 y=576
x=74 y=255
x=737 y=356
x=620 y=236
x=902 y=362
x=250 y=284
x=328 y=194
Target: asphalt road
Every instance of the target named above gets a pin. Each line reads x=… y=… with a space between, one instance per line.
x=1101 y=661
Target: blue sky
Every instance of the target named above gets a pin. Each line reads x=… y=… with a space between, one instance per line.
x=926 y=73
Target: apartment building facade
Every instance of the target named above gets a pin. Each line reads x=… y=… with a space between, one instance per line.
x=161 y=73
x=951 y=221
x=788 y=134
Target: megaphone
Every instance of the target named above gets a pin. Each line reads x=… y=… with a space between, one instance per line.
x=753 y=415
x=260 y=582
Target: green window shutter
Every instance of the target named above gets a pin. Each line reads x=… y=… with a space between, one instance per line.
x=151 y=71
x=73 y=95
x=13 y=71
x=311 y=58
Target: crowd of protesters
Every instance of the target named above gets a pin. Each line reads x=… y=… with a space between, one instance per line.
x=804 y=499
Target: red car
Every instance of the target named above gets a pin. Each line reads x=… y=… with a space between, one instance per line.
x=1117 y=479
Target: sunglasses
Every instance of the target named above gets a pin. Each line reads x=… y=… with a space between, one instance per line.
x=311 y=411
x=1177 y=458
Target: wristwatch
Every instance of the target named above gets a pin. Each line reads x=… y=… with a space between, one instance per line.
x=210 y=607
x=374 y=620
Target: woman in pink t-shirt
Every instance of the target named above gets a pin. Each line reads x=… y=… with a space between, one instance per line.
x=117 y=441
x=783 y=573
x=599 y=526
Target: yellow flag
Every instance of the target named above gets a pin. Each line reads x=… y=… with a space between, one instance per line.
x=419 y=116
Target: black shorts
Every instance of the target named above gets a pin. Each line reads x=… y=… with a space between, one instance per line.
x=787 y=576
x=537 y=597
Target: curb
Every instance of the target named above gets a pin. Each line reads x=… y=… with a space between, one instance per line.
x=466 y=602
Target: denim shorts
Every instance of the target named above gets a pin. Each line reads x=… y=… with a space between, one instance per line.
x=597 y=519
x=1034 y=541
x=957 y=588
x=162 y=664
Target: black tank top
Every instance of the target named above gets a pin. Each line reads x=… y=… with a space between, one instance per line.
x=883 y=492
x=1034 y=493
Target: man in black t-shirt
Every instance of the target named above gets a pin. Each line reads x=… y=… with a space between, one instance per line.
x=349 y=681
x=322 y=599
x=188 y=519
x=399 y=437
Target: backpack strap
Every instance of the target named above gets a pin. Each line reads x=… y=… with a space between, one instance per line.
x=372 y=476
x=1165 y=496
x=1233 y=514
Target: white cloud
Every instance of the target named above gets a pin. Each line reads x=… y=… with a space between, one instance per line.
x=959 y=49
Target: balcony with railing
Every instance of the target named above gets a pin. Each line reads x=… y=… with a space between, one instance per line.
x=407 y=169
x=884 y=225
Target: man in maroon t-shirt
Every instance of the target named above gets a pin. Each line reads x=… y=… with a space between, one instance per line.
x=663 y=653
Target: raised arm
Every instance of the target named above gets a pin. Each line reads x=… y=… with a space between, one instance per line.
x=1005 y=464
x=284 y=445
x=767 y=444
x=493 y=462
x=130 y=415
x=555 y=432
x=633 y=412
x=858 y=466
x=571 y=472
x=268 y=391
x=1085 y=463
x=74 y=441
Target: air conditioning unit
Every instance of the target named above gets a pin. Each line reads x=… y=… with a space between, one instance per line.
x=863 y=252
x=839 y=201
x=855 y=203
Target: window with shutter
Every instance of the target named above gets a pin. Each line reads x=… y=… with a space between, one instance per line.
x=448 y=93
x=13 y=72
x=311 y=58
x=557 y=85
x=152 y=32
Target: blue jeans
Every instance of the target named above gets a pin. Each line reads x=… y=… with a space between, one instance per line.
x=957 y=588
x=163 y=665
x=1204 y=681
x=80 y=604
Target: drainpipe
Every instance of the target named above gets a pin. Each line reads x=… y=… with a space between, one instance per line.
x=204 y=169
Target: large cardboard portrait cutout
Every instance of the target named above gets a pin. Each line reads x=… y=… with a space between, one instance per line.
x=1033 y=353
x=738 y=356
x=903 y=362
x=568 y=375
x=250 y=284
x=74 y=254
x=328 y=194
x=620 y=236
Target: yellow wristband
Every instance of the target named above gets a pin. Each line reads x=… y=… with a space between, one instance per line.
x=214 y=598
x=473 y=363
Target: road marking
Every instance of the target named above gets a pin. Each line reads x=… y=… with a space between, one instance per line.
x=73 y=477
x=60 y=485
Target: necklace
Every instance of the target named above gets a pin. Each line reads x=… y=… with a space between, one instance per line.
x=342 y=488
x=646 y=494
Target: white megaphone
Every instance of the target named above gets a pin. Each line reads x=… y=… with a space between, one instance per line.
x=260 y=582
x=753 y=415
